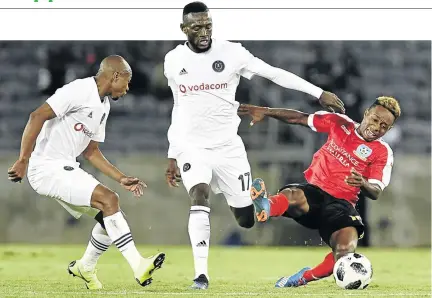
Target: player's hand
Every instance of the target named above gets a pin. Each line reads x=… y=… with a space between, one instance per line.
x=134 y=185
x=257 y=113
x=17 y=172
x=172 y=174
x=355 y=179
x=331 y=102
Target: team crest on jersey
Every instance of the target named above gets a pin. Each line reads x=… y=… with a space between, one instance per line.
x=363 y=151
x=218 y=66
x=186 y=167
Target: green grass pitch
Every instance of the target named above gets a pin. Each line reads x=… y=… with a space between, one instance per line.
x=40 y=271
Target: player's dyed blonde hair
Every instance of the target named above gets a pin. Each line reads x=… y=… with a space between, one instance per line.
x=390 y=103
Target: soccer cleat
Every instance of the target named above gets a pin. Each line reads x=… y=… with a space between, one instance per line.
x=200 y=283
x=146 y=268
x=294 y=280
x=259 y=198
x=76 y=268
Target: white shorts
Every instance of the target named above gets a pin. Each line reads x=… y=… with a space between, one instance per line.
x=65 y=182
x=226 y=170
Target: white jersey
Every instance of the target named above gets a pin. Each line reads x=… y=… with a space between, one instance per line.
x=204 y=87
x=81 y=117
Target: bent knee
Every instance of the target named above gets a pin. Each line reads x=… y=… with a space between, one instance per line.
x=298 y=204
x=113 y=199
x=343 y=249
x=246 y=222
x=245 y=216
x=111 y=203
x=295 y=196
x=200 y=195
x=105 y=200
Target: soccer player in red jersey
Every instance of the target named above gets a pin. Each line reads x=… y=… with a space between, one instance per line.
x=353 y=159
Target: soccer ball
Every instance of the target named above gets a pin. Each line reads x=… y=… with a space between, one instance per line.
x=353 y=272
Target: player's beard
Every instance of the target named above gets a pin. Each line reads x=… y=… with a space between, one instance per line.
x=193 y=40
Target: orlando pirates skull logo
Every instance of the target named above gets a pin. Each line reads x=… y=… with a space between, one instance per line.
x=218 y=66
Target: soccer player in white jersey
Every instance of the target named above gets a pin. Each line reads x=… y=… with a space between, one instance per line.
x=203 y=75
x=71 y=122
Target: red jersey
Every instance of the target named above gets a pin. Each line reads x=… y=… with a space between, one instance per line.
x=346 y=149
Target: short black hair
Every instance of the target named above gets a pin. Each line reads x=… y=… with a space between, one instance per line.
x=194 y=7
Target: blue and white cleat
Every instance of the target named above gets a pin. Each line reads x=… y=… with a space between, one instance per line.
x=294 y=280
x=259 y=198
x=200 y=283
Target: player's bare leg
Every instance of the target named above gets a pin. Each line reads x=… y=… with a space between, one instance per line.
x=342 y=242
x=245 y=216
x=118 y=230
x=199 y=233
x=290 y=202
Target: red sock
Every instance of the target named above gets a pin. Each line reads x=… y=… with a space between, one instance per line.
x=278 y=204
x=322 y=270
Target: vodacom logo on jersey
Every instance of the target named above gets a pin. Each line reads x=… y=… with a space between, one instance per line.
x=81 y=127
x=202 y=87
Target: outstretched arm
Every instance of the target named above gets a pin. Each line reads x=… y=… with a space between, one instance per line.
x=255 y=66
x=320 y=121
x=286 y=115
x=283 y=78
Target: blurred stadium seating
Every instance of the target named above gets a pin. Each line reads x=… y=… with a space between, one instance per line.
x=33 y=70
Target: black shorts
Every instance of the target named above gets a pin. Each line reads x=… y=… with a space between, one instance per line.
x=327 y=214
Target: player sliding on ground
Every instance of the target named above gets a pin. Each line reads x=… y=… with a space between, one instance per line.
x=353 y=159
x=203 y=75
x=71 y=122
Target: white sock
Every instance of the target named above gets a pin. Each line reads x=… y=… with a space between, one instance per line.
x=98 y=244
x=118 y=230
x=199 y=234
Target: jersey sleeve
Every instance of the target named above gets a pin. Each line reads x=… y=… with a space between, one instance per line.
x=251 y=65
x=380 y=170
x=247 y=62
x=66 y=99
x=100 y=136
x=322 y=121
x=173 y=149
x=166 y=65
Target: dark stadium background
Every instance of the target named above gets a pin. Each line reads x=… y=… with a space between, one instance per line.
x=356 y=71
